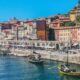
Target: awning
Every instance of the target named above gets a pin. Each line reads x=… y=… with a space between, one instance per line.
x=75 y=44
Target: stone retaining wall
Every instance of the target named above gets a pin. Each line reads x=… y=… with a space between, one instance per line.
x=73 y=58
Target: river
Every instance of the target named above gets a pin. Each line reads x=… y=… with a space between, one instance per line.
x=18 y=68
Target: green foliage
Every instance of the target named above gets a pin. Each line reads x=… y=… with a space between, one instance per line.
x=69 y=23
x=78 y=18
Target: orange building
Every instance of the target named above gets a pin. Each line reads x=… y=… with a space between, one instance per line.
x=42 y=33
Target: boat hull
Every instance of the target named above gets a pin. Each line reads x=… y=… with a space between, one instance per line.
x=36 y=61
x=69 y=73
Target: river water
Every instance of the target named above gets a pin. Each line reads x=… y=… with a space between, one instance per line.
x=18 y=68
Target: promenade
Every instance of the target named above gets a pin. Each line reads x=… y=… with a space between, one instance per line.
x=46 y=51
x=51 y=55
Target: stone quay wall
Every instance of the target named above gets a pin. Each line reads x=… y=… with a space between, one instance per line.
x=51 y=55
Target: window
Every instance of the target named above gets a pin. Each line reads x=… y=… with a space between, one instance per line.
x=51 y=44
x=38 y=44
x=61 y=35
x=43 y=44
x=60 y=38
x=47 y=43
x=25 y=28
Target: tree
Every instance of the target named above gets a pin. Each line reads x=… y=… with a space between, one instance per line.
x=69 y=23
x=78 y=18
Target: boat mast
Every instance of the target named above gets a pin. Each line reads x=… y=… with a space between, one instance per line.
x=32 y=48
x=67 y=60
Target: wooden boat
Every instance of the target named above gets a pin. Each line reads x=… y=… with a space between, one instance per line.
x=32 y=59
x=35 y=58
x=36 y=61
x=66 y=70
x=69 y=72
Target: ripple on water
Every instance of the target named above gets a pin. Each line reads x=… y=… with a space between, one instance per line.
x=18 y=68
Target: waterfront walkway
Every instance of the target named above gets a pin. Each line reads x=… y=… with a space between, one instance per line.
x=53 y=55
x=47 y=51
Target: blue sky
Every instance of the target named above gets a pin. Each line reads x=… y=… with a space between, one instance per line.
x=30 y=9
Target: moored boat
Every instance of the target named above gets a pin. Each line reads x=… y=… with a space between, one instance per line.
x=64 y=70
x=35 y=58
x=36 y=61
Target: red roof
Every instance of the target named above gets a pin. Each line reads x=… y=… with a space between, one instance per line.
x=27 y=21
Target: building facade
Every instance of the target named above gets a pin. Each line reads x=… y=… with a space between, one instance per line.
x=67 y=34
x=42 y=33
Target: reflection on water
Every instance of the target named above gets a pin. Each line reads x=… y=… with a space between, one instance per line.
x=71 y=78
x=18 y=68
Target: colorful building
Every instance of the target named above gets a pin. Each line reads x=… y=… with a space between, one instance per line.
x=67 y=34
x=75 y=12
x=53 y=28
x=42 y=33
x=30 y=29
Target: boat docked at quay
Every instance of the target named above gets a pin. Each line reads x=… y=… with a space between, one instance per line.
x=65 y=69
x=47 y=49
x=35 y=59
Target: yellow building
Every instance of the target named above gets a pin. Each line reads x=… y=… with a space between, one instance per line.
x=72 y=15
x=64 y=35
x=67 y=34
